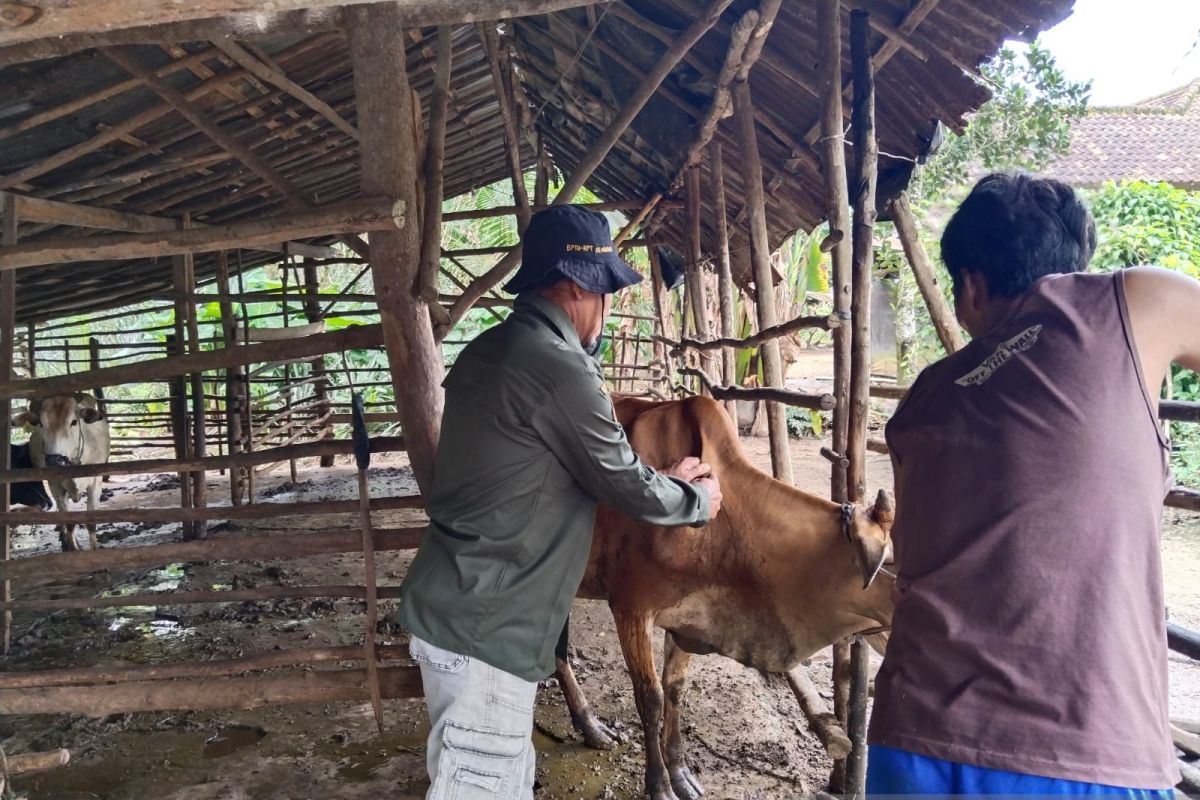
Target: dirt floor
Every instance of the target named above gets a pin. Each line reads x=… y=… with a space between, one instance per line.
x=747 y=739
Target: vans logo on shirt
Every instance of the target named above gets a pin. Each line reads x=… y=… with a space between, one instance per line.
x=1004 y=353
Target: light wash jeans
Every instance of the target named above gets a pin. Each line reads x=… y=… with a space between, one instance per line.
x=480 y=744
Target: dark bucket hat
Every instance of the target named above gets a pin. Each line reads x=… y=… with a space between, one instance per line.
x=574 y=243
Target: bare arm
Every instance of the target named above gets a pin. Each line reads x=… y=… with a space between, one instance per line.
x=1164 y=310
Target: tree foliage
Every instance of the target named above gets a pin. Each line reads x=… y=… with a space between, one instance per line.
x=1025 y=124
x=1139 y=224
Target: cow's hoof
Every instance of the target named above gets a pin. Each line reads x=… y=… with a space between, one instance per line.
x=69 y=545
x=596 y=734
x=685 y=784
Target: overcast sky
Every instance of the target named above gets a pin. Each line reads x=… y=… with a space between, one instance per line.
x=1131 y=49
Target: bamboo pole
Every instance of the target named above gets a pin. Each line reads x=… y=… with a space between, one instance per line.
x=313 y=313
x=196 y=694
x=187 y=598
x=35 y=762
x=82 y=676
x=760 y=253
x=949 y=334
x=716 y=175
x=179 y=394
x=600 y=148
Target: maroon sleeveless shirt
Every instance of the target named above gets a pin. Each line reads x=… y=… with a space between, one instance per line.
x=1029 y=632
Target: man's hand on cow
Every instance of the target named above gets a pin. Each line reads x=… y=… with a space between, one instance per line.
x=690 y=469
x=693 y=470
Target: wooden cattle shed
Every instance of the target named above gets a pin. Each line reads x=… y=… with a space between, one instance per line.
x=149 y=150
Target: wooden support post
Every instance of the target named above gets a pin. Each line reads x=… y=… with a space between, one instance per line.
x=940 y=312
x=313 y=313
x=829 y=56
x=199 y=429
x=31 y=335
x=664 y=318
x=289 y=416
x=507 y=103
x=760 y=254
x=600 y=148
x=434 y=171
x=8 y=325
x=541 y=179
x=866 y=168
x=385 y=117
x=234 y=381
x=716 y=173
x=694 y=272
x=179 y=428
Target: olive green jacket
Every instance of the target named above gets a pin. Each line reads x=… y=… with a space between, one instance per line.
x=529 y=446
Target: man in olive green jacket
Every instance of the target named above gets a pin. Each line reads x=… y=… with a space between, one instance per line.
x=529 y=445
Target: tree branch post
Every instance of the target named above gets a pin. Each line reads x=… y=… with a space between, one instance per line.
x=385 y=112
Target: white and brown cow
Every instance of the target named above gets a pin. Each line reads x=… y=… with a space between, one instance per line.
x=777 y=576
x=69 y=430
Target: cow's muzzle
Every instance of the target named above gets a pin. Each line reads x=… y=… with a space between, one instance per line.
x=56 y=460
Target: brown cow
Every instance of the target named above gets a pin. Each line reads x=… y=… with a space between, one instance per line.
x=777 y=576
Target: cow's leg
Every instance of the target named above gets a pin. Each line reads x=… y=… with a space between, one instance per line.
x=66 y=532
x=93 y=499
x=675 y=664
x=633 y=630
x=596 y=734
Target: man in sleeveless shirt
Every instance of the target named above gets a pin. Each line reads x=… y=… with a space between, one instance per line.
x=1028 y=653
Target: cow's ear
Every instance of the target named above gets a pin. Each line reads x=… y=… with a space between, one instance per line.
x=872 y=551
x=89 y=415
x=24 y=418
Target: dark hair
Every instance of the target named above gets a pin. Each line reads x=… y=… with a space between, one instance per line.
x=1015 y=229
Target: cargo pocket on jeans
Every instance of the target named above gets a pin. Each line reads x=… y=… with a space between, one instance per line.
x=482 y=763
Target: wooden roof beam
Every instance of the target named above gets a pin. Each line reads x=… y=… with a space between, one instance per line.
x=600 y=148
x=127 y=61
x=69 y=18
x=278 y=78
x=341 y=218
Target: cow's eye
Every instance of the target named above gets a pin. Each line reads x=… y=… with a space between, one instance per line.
x=74 y=422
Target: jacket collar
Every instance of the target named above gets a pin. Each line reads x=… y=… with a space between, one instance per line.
x=554 y=316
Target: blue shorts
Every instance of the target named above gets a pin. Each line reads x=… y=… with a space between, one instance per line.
x=891 y=771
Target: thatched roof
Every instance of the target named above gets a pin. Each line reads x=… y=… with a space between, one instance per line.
x=132 y=152
x=1154 y=140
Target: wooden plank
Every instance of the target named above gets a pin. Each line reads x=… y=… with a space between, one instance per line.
x=348 y=216
x=63 y=18
x=434 y=175
x=352 y=338
x=1187 y=499
x=55 y=212
x=284 y=334
x=9 y=221
x=259 y=691
x=164 y=515
x=218 y=548
x=78 y=676
x=379 y=444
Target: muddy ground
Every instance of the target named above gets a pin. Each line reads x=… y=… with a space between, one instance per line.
x=747 y=738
